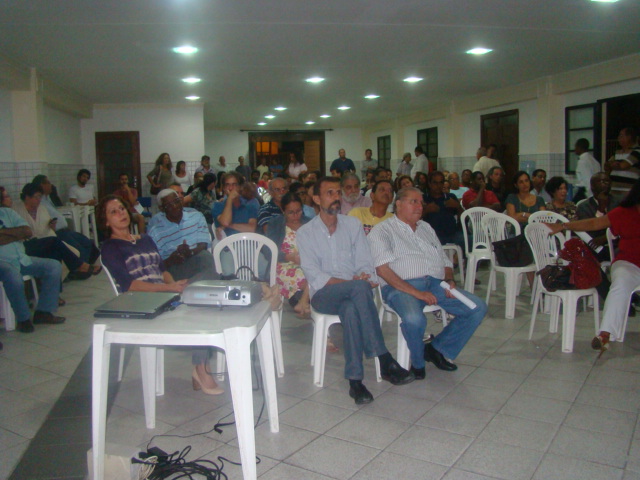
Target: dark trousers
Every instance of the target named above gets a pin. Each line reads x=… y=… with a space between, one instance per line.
x=54 y=248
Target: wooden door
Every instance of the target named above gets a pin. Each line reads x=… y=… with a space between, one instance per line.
x=117 y=153
x=502 y=129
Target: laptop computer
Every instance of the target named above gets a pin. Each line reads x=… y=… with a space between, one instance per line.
x=137 y=305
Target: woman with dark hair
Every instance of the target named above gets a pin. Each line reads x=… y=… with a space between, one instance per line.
x=203 y=196
x=136 y=266
x=296 y=167
x=624 y=221
x=181 y=176
x=161 y=176
x=421 y=182
x=403 y=181
x=521 y=204
x=556 y=187
x=289 y=275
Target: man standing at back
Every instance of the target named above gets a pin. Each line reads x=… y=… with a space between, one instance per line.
x=586 y=168
x=205 y=166
x=342 y=164
x=244 y=170
x=421 y=163
x=484 y=163
x=368 y=164
x=337 y=264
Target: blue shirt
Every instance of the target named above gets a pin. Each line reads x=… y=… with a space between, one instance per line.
x=444 y=221
x=13 y=253
x=342 y=255
x=342 y=165
x=168 y=235
x=244 y=212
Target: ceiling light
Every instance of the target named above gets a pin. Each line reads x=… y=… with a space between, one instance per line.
x=372 y=96
x=191 y=80
x=315 y=80
x=605 y=1
x=280 y=109
x=185 y=49
x=262 y=123
x=413 y=79
x=479 y=51
x=269 y=116
x=325 y=116
x=192 y=97
x=310 y=122
x=344 y=107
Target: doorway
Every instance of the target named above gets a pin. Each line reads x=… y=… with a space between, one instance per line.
x=502 y=130
x=621 y=112
x=276 y=147
x=116 y=153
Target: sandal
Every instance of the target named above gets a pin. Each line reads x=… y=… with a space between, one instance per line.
x=600 y=342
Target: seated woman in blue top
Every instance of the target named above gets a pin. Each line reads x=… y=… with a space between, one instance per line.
x=521 y=204
x=136 y=266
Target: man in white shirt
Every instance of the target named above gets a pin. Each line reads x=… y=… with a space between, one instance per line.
x=221 y=166
x=82 y=193
x=586 y=168
x=455 y=187
x=421 y=163
x=484 y=163
x=411 y=266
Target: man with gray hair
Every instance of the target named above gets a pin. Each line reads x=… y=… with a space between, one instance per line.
x=484 y=163
x=182 y=238
x=277 y=189
x=351 y=194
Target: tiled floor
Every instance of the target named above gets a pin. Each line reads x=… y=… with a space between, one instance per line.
x=515 y=409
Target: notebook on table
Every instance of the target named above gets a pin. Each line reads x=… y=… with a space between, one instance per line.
x=137 y=305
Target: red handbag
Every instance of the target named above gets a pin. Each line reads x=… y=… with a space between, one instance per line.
x=584 y=266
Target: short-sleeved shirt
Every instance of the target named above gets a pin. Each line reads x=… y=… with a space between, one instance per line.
x=295 y=169
x=342 y=165
x=444 y=221
x=267 y=212
x=512 y=199
x=623 y=180
x=128 y=261
x=489 y=198
x=168 y=235
x=247 y=210
x=13 y=253
x=569 y=210
x=134 y=193
x=625 y=222
x=204 y=170
x=82 y=194
x=368 y=219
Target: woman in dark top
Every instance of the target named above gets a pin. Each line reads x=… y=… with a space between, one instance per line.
x=521 y=204
x=557 y=188
x=136 y=266
x=161 y=176
x=204 y=196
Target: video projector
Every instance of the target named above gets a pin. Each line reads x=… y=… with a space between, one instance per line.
x=222 y=293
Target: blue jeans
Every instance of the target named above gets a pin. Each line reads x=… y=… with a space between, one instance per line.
x=47 y=270
x=88 y=251
x=453 y=337
x=353 y=302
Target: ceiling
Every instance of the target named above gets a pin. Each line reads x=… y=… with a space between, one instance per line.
x=256 y=55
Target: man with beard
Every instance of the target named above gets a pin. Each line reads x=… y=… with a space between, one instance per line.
x=351 y=195
x=82 y=194
x=336 y=260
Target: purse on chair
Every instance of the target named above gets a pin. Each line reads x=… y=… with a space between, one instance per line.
x=556 y=277
x=513 y=252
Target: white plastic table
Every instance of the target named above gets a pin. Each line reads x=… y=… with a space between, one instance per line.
x=232 y=329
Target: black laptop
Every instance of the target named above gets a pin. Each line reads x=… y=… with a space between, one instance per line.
x=137 y=305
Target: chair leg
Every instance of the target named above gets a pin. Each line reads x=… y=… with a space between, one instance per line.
x=534 y=312
x=220 y=364
x=492 y=276
x=159 y=372
x=555 y=313
x=276 y=323
x=470 y=279
x=320 y=350
x=121 y=364
x=596 y=315
x=569 y=309
x=511 y=292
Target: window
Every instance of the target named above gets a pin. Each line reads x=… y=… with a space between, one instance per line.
x=384 y=151
x=428 y=140
x=580 y=122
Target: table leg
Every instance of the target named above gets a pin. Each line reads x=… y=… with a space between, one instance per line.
x=237 y=349
x=100 y=385
x=148 y=366
x=265 y=350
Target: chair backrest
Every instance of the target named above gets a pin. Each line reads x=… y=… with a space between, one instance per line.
x=245 y=250
x=111 y=281
x=545 y=247
x=546 y=216
x=610 y=238
x=474 y=217
x=498 y=226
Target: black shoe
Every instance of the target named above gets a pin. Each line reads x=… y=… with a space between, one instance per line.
x=79 y=275
x=46 y=317
x=434 y=356
x=25 y=327
x=419 y=373
x=360 y=394
x=396 y=375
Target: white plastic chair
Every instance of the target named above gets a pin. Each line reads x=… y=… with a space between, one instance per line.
x=6 y=311
x=451 y=249
x=245 y=249
x=87 y=217
x=321 y=324
x=479 y=249
x=495 y=226
x=546 y=216
x=545 y=253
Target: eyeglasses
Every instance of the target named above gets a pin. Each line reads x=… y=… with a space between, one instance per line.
x=174 y=202
x=293 y=212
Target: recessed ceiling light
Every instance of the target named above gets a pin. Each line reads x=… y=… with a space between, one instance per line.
x=262 y=123
x=344 y=107
x=315 y=80
x=372 y=96
x=192 y=97
x=325 y=116
x=280 y=109
x=310 y=122
x=479 y=51
x=605 y=1
x=413 y=79
x=191 y=80
x=185 y=49
x=269 y=116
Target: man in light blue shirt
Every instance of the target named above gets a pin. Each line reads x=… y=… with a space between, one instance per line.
x=337 y=264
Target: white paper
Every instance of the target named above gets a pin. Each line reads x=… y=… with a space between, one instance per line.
x=458 y=295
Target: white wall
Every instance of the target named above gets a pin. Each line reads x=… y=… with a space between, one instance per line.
x=229 y=143
x=178 y=130
x=348 y=138
x=411 y=136
x=591 y=95
x=62 y=137
x=6 y=142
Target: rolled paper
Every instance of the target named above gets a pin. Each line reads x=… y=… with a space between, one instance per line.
x=458 y=295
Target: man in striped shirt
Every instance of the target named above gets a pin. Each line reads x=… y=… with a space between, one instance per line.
x=624 y=166
x=411 y=264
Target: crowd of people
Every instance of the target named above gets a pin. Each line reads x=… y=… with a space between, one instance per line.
x=339 y=237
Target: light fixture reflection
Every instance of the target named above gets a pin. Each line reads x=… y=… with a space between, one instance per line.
x=185 y=50
x=479 y=51
x=413 y=79
x=315 y=80
x=192 y=97
x=191 y=80
x=372 y=96
x=344 y=107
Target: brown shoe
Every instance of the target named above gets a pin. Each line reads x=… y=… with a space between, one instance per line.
x=46 y=317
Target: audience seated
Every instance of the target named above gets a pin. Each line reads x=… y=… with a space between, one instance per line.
x=309 y=208
x=14 y=263
x=411 y=265
x=203 y=197
x=465 y=178
x=351 y=197
x=495 y=184
x=538 y=180
x=381 y=197
x=421 y=181
x=136 y=266
x=442 y=211
x=598 y=206
x=186 y=199
x=82 y=193
x=277 y=188
x=403 y=181
x=182 y=238
x=197 y=178
x=478 y=196
x=556 y=187
x=455 y=187
x=522 y=203
x=131 y=196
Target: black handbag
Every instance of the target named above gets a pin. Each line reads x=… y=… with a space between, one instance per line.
x=513 y=252
x=556 y=277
